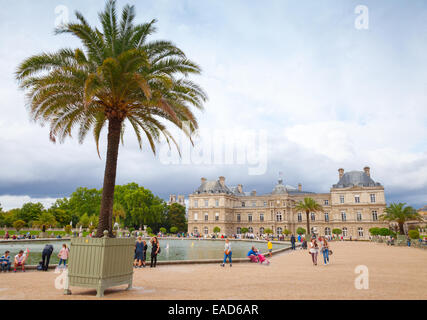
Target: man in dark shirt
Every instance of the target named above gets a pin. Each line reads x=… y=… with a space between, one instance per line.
x=46 y=253
x=293 y=242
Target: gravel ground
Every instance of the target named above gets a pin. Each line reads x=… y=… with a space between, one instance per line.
x=394 y=273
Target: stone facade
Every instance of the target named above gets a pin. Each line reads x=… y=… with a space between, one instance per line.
x=353 y=205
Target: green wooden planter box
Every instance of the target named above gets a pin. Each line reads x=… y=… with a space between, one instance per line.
x=100 y=263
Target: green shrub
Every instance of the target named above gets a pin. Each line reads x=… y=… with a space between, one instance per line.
x=19 y=224
x=174 y=230
x=414 y=234
x=149 y=230
x=374 y=231
x=267 y=231
x=384 y=232
x=336 y=231
x=163 y=230
x=68 y=229
x=301 y=231
x=217 y=230
x=246 y=230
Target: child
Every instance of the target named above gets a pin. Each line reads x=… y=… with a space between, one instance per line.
x=5 y=262
x=270 y=248
x=63 y=255
x=20 y=261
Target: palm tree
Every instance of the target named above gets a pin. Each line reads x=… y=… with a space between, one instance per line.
x=307 y=206
x=117 y=78
x=397 y=212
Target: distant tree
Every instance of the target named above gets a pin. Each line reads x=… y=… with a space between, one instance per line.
x=216 y=229
x=174 y=230
x=30 y=212
x=163 y=230
x=94 y=220
x=336 y=231
x=176 y=216
x=63 y=217
x=287 y=232
x=385 y=232
x=374 y=231
x=246 y=230
x=19 y=224
x=84 y=220
x=414 y=234
x=47 y=218
x=301 y=231
x=149 y=230
x=307 y=206
x=400 y=213
x=85 y=200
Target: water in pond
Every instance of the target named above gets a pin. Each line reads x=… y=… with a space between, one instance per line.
x=170 y=249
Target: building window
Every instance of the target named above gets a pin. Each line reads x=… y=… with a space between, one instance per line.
x=206 y=217
x=326 y=202
x=250 y=217
x=195 y=230
x=360 y=231
x=217 y=216
x=343 y=216
x=265 y=203
x=216 y=203
x=251 y=230
x=238 y=230
x=313 y=216
x=196 y=216
x=261 y=217
x=327 y=231
x=299 y=217
x=341 y=198
x=372 y=198
x=359 y=216
x=279 y=230
x=253 y=203
x=243 y=203
x=196 y=203
x=261 y=230
x=344 y=232
x=206 y=230
x=326 y=217
x=356 y=199
x=374 y=216
x=206 y=203
x=238 y=217
x=278 y=216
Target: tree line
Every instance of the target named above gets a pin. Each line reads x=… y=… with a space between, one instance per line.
x=134 y=207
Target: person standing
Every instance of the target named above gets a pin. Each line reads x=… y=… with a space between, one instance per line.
x=293 y=241
x=227 y=252
x=314 y=250
x=270 y=248
x=63 y=255
x=144 y=256
x=155 y=247
x=46 y=253
x=324 y=249
x=139 y=253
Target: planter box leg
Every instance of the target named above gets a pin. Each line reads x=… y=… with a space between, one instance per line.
x=67 y=292
x=129 y=285
x=100 y=292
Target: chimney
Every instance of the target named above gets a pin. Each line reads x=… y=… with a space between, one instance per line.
x=299 y=187
x=367 y=171
x=203 y=180
x=341 y=172
x=222 y=181
x=240 y=188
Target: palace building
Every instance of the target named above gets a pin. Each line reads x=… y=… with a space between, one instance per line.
x=354 y=205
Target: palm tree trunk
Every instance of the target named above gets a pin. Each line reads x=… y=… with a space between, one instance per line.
x=401 y=229
x=308 y=224
x=106 y=213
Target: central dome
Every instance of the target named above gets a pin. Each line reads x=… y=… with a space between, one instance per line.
x=279 y=188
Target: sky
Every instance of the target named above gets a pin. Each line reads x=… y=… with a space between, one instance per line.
x=300 y=88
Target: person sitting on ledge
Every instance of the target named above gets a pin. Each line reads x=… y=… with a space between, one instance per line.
x=20 y=261
x=253 y=254
x=5 y=262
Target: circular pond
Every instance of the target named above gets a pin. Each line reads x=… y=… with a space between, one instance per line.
x=171 y=249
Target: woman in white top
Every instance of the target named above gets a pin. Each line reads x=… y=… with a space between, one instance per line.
x=314 y=250
x=227 y=252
